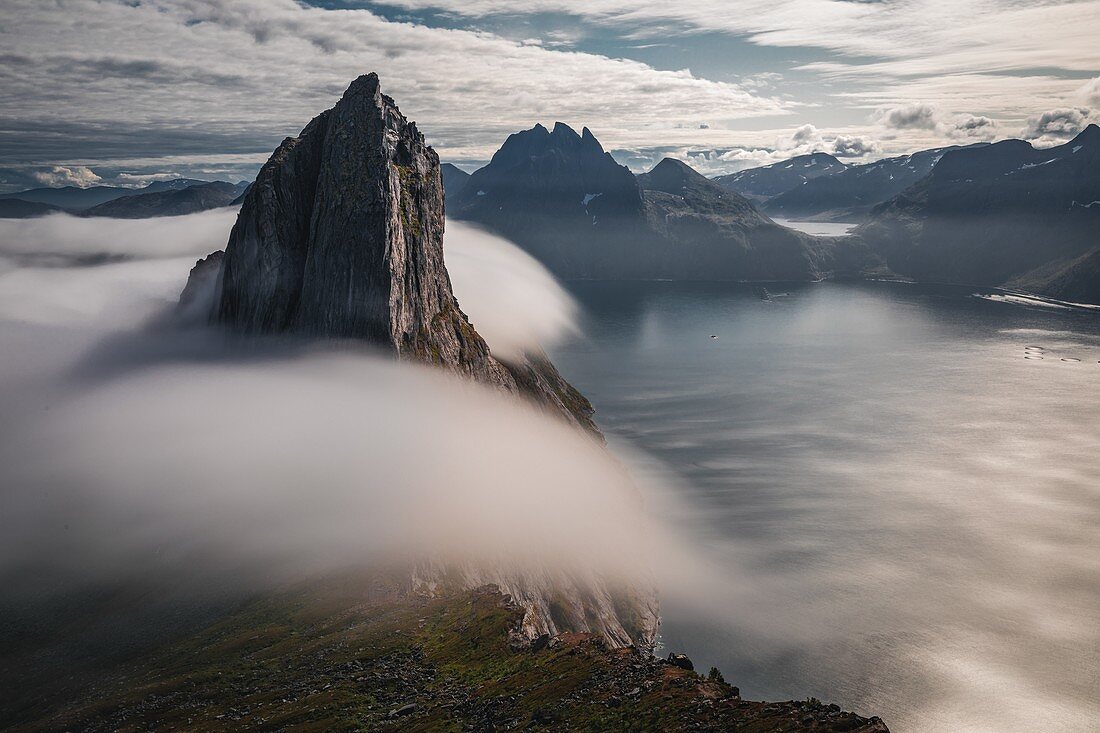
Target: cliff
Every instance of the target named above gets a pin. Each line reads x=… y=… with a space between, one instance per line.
x=341 y=236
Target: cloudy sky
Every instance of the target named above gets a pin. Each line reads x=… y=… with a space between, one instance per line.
x=127 y=91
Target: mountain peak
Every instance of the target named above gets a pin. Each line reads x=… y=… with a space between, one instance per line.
x=671 y=171
x=1090 y=135
x=589 y=140
x=562 y=129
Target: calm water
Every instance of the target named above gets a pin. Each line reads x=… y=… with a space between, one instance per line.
x=819 y=228
x=903 y=509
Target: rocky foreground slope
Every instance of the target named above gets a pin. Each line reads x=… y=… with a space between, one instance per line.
x=362 y=653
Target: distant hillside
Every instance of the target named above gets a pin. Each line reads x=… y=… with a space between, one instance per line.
x=1005 y=214
x=170 y=202
x=850 y=194
x=763 y=183
x=19 y=209
x=76 y=199
x=454 y=178
x=561 y=197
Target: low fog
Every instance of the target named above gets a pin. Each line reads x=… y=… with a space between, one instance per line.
x=126 y=446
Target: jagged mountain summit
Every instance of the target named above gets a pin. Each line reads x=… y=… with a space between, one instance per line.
x=565 y=200
x=555 y=193
x=341 y=236
x=762 y=183
x=1005 y=214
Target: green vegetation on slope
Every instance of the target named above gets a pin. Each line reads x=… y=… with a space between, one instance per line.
x=360 y=653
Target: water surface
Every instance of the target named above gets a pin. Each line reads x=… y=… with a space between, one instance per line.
x=902 y=498
x=819 y=228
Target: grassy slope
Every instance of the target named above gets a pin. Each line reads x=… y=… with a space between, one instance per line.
x=352 y=654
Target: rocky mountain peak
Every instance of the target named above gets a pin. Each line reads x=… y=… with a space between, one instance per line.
x=671 y=172
x=341 y=236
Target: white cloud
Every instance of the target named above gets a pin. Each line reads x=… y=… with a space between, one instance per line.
x=59 y=175
x=912 y=116
x=886 y=54
x=1056 y=125
x=253 y=71
x=1089 y=92
x=928 y=119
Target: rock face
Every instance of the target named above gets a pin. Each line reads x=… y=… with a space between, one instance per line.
x=1005 y=214
x=341 y=236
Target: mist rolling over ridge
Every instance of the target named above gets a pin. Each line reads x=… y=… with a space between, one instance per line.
x=424 y=365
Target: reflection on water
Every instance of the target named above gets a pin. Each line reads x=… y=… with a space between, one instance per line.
x=900 y=483
x=819 y=228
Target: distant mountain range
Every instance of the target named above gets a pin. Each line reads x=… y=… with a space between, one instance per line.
x=1005 y=214
x=761 y=184
x=561 y=197
x=172 y=202
x=850 y=193
x=169 y=198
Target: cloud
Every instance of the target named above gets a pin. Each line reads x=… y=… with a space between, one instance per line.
x=875 y=48
x=213 y=77
x=854 y=147
x=928 y=119
x=511 y=299
x=969 y=126
x=1056 y=124
x=808 y=139
x=1089 y=92
x=276 y=455
x=909 y=117
x=77 y=175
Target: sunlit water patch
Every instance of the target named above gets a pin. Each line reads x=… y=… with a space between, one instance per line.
x=899 y=483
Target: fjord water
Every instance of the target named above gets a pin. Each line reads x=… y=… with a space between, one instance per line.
x=904 y=510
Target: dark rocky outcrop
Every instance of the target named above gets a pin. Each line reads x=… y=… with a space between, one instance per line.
x=762 y=183
x=201 y=289
x=849 y=195
x=1005 y=214
x=170 y=202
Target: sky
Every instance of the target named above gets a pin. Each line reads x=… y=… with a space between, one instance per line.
x=124 y=92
